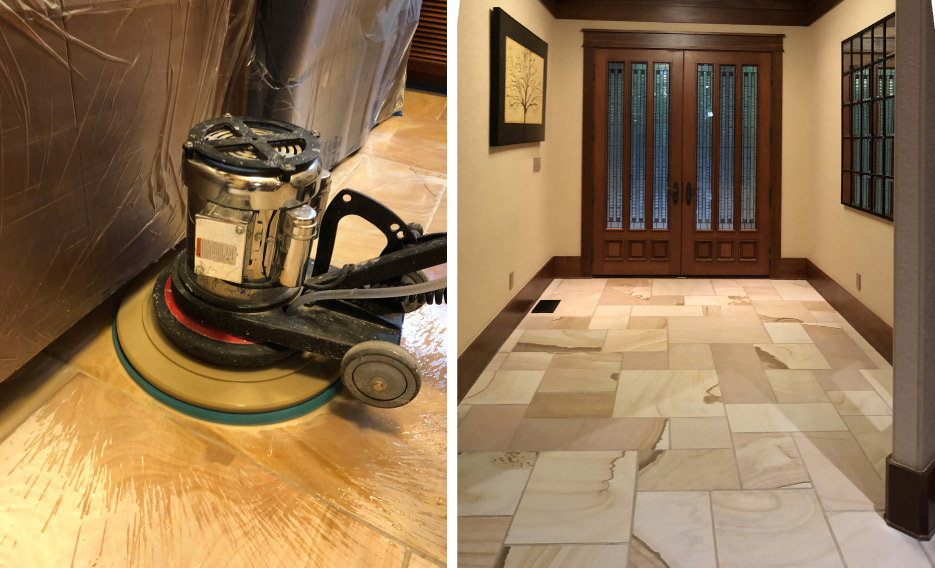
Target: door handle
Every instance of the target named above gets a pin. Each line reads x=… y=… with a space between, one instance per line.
x=688 y=193
x=675 y=192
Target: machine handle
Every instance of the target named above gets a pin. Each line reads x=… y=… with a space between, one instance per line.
x=688 y=193
x=675 y=192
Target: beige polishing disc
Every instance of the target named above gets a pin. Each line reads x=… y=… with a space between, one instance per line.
x=227 y=389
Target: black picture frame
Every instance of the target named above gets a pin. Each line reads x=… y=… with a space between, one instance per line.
x=504 y=133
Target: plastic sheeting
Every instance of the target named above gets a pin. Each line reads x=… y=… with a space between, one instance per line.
x=96 y=98
x=335 y=67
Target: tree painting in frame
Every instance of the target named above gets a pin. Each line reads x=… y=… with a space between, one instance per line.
x=517 y=82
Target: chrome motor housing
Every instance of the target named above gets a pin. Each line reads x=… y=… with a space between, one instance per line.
x=256 y=191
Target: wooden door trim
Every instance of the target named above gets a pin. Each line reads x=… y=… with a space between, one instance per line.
x=587 y=166
x=612 y=39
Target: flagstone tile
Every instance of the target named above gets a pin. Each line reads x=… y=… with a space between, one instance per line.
x=843 y=477
x=687 y=470
x=772 y=529
x=491 y=483
x=567 y=556
x=673 y=529
x=769 y=461
x=577 y=498
x=668 y=394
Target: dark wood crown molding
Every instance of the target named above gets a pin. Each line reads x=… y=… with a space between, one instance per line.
x=738 y=12
x=700 y=41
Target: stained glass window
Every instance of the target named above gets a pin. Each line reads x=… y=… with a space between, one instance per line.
x=868 y=118
x=705 y=153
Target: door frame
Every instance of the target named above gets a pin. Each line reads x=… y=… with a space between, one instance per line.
x=686 y=41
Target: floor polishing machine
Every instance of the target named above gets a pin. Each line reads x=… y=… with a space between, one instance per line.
x=244 y=327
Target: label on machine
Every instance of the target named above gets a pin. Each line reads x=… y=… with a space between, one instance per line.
x=219 y=249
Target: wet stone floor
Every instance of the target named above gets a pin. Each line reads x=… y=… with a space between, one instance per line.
x=93 y=472
x=680 y=422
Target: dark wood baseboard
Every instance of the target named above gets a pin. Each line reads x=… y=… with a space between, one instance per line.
x=474 y=359
x=793 y=268
x=876 y=331
x=567 y=267
x=910 y=500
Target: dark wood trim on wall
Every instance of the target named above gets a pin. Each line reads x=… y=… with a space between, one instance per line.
x=764 y=12
x=551 y=6
x=567 y=266
x=587 y=165
x=617 y=39
x=775 y=164
x=688 y=41
x=877 y=332
x=793 y=268
x=474 y=359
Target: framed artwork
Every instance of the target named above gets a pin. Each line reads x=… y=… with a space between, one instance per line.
x=517 y=82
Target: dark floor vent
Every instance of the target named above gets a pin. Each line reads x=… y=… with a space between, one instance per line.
x=545 y=306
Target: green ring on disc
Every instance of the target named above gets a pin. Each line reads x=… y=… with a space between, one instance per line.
x=232 y=418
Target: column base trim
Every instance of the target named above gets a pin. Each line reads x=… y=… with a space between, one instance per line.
x=910 y=500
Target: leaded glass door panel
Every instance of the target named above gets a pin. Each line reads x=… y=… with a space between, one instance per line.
x=725 y=164
x=638 y=147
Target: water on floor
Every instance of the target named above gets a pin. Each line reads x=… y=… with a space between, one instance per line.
x=680 y=422
x=96 y=473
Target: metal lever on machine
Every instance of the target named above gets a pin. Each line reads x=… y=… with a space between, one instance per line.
x=349 y=202
x=688 y=193
x=675 y=193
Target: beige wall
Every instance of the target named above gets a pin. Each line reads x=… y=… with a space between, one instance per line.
x=844 y=241
x=542 y=212
x=506 y=213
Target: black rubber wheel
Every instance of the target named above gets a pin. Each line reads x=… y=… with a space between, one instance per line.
x=413 y=278
x=381 y=374
x=242 y=355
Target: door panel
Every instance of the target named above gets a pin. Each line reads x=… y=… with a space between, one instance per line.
x=638 y=159
x=681 y=162
x=725 y=226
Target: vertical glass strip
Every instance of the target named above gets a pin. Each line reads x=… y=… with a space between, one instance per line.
x=660 y=145
x=726 y=162
x=638 y=146
x=748 y=149
x=865 y=137
x=705 y=144
x=889 y=131
x=615 y=84
x=855 y=140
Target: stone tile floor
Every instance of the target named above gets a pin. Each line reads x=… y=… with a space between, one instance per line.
x=96 y=473
x=680 y=423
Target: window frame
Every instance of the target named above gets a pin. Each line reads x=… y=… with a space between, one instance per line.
x=875 y=143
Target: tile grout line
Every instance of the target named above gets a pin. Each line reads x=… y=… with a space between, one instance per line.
x=821 y=504
x=503 y=553
x=717 y=556
x=175 y=420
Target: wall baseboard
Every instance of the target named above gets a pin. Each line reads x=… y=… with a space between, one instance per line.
x=877 y=332
x=910 y=500
x=567 y=266
x=793 y=268
x=474 y=359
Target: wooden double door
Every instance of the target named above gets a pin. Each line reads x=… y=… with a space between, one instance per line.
x=681 y=163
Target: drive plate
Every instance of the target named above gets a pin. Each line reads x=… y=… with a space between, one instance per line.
x=290 y=388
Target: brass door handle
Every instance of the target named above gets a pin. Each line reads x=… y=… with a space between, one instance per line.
x=675 y=192
x=688 y=193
